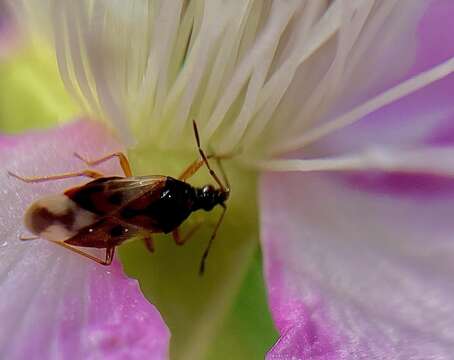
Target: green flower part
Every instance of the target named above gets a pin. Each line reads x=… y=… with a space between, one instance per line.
x=32 y=94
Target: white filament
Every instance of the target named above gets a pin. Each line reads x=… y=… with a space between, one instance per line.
x=401 y=90
x=430 y=160
x=263 y=76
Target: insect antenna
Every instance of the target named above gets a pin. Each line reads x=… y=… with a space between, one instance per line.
x=225 y=188
x=224 y=174
x=210 y=242
x=205 y=160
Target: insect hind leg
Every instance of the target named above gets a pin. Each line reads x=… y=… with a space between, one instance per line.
x=36 y=179
x=23 y=237
x=110 y=252
x=124 y=163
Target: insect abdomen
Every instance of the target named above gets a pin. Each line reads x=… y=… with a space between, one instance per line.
x=56 y=217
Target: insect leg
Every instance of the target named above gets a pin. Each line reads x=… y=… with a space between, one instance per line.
x=196 y=165
x=149 y=244
x=26 y=238
x=109 y=253
x=181 y=240
x=191 y=169
x=35 y=179
x=124 y=163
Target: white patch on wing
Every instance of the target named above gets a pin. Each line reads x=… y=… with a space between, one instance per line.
x=83 y=217
x=57 y=232
x=57 y=217
x=56 y=204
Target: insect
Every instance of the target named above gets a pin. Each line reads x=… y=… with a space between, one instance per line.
x=107 y=211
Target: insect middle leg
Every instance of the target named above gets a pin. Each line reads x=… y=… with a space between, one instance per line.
x=110 y=252
x=149 y=244
x=181 y=240
x=36 y=179
x=124 y=163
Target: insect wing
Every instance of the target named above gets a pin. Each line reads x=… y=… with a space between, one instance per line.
x=106 y=195
x=106 y=232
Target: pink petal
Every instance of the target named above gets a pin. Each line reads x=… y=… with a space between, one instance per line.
x=354 y=274
x=55 y=304
x=420 y=117
x=8 y=29
x=7 y=141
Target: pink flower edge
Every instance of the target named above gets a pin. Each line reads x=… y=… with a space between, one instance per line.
x=357 y=274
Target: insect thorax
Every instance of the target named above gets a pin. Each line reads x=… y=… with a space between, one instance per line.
x=163 y=211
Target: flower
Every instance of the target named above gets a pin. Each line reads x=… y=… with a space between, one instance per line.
x=357 y=264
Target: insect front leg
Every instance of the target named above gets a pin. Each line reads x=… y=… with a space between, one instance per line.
x=37 y=179
x=124 y=163
x=196 y=165
x=191 y=169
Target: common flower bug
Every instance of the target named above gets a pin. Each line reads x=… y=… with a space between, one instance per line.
x=107 y=211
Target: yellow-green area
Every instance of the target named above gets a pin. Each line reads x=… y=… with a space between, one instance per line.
x=32 y=95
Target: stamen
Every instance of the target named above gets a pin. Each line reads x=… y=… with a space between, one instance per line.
x=259 y=64
x=308 y=40
x=195 y=69
x=433 y=161
x=403 y=89
x=255 y=75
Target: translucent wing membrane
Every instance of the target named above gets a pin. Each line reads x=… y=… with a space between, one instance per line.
x=107 y=195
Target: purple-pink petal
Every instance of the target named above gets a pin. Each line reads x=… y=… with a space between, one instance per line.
x=354 y=274
x=122 y=330
x=359 y=265
x=55 y=304
x=425 y=116
x=300 y=334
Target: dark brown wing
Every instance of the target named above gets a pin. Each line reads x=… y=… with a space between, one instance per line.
x=106 y=195
x=160 y=210
x=106 y=232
